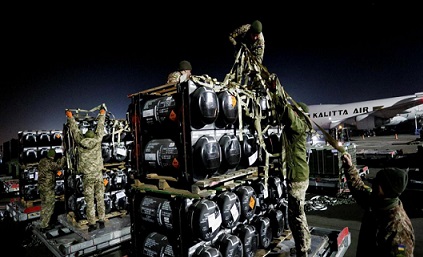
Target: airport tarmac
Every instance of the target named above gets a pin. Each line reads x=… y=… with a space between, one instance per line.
x=407 y=143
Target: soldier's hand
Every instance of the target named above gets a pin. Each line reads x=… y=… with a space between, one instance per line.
x=233 y=41
x=68 y=113
x=346 y=160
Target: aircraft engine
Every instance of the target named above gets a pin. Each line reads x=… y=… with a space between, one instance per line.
x=394 y=121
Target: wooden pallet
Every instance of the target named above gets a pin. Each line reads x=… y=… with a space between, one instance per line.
x=114 y=164
x=275 y=247
x=30 y=203
x=223 y=180
x=35 y=202
x=164 y=90
x=161 y=185
x=84 y=223
x=202 y=188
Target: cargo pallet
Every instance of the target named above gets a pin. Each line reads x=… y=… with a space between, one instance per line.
x=182 y=185
x=335 y=184
x=326 y=168
x=324 y=242
x=9 y=185
x=24 y=210
x=163 y=90
x=73 y=239
x=385 y=154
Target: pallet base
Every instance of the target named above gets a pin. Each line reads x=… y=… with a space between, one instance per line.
x=20 y=212
x=67 y=240
x=83 y=224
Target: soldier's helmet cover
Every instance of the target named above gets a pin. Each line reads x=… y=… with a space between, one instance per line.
x=184 y=65
x=393 y=181
x=256 y=27
x=51 y=153
x=89 y=134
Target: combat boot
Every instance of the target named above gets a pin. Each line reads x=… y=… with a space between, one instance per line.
x=92 y=227
x=101 y=223
x=49 y=227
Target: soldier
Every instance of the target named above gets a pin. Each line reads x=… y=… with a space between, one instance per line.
x=252 y=36
x=47 y=169
x=90 y=165
x=296 y=127
x=386 y=229
x=182 y=74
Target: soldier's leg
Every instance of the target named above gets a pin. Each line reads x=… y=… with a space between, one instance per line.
x=89 y=199
x=99 y=195
x=50 y=202
x=43 y=214
x=296 y=216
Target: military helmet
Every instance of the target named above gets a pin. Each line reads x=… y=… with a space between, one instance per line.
x=89 y=134
x=184 y=65
x=51 y=153
x=256 y=27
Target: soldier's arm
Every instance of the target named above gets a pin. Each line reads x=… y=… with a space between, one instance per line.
x=237 y=33
x=232 y=38
x=259 y=49
x=61 y=162
x=360 y=191
x=173 y=77
x=100 y=125
x=259 y=54
x=293 y=120
x=77 y=134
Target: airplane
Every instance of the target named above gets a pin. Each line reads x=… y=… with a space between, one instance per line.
x=366 y=115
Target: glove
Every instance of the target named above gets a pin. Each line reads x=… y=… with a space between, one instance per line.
x=103 y=106
x=346 y=160
x=68 y=114
x=233 y=41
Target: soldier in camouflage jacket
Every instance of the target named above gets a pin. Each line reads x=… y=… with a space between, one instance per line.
x=90 y=165
x=295 y=131
x=386 y=229
x=47 y=169
x=251 y=36
x=182 y=74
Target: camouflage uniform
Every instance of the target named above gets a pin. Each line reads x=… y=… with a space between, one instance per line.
x=90 y=165
x=384 y=231
x=47 y=168
x=177 y=77
x=241 y=35
x=297 y=176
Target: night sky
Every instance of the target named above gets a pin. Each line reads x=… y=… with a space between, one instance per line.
x=79 y=57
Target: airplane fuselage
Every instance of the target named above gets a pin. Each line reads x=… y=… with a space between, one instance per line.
x=340 y=112
x=366 y=115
